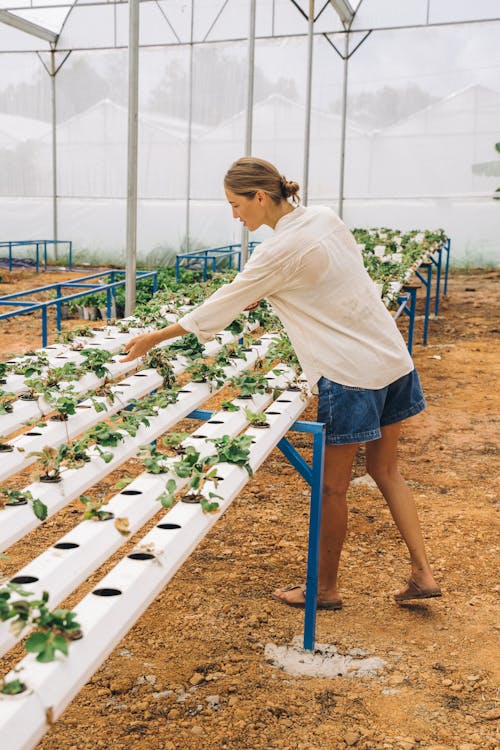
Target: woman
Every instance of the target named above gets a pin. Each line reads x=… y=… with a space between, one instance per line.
x=349 y=348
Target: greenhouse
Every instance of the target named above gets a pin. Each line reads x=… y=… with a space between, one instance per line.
x=249 y=266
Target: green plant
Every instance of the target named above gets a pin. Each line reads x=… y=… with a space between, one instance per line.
x=13 y=687
x=49 y=461
x=7 y=402
x=250 y=383
x=21 y=497
x=64 y=403
x=74 y=455
x=172 y=442
x=202 y=372
x=188 y=346
x=95 y=361
x=104 y=434
x=229 y=406
x=256 y=418
x=160 y=360
x=93 y=509
x=154 y=461
x=234 y=450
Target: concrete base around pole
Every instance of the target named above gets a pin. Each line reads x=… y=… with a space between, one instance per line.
x=324 y=661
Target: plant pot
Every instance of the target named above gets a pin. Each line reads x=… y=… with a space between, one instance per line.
x=16 y=696
x=90 y=313
x=49 y=480
x=28 y=397
x=191 y=499
x=4 y=448
x=261 y=425
x=14 y=503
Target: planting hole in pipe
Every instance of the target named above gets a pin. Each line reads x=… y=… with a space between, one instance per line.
x=185 y=391
x=50 y=347
x=83 y=406
x=24 y=579
x=168 y=526
x=140 y=556
x=66 y=545
x=197 y=437
x=131 y=492
x=31 y=433
x=283 y=401
x=140 y=375
x=107 y=592
x=215 y=421
x=273 y=412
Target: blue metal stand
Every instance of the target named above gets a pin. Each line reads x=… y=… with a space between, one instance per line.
x=427 y=282
x=313 y=475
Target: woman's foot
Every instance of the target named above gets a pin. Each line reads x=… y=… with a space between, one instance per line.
x=418 y=590
x=295 y=596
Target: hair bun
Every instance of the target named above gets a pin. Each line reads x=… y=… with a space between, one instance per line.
x=289 y=188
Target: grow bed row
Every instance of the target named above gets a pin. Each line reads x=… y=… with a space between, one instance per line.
x=59 y=573
x=122 y=595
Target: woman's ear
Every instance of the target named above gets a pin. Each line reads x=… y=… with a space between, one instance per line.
x=261 y=196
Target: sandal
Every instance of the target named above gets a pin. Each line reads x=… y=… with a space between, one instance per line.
x=414 y=591
x=335 y=604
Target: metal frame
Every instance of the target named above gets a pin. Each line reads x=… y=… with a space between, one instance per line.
x=313 y=475
x=39 y=243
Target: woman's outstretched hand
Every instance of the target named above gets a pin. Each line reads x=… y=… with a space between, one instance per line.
x=139 y=346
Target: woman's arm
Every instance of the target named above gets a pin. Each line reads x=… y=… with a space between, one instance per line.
x=140 y=345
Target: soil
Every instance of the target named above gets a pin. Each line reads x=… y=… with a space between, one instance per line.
x=192 y=672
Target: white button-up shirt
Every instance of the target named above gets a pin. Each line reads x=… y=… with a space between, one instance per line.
x=312 y=273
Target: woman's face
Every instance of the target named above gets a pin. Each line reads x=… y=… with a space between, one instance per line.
x=250 y=211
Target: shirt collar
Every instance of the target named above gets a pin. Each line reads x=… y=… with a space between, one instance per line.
x=287 y=218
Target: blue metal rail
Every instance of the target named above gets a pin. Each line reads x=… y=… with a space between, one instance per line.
x=31 y=306
x=38 y=245
x=203 y=258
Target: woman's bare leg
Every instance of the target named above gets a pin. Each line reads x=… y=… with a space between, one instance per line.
x=381 y=464
x=337 y=475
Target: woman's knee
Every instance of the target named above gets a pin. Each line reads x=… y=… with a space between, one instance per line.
x=383 y=472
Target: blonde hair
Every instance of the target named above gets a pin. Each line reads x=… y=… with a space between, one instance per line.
x=249 y=174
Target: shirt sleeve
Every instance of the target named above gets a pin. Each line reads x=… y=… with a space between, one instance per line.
x=260 y=278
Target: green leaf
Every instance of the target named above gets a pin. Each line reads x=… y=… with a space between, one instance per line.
x=39 y=509
x=37 y=642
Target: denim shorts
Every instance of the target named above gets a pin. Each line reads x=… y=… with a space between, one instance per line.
x=355 y=415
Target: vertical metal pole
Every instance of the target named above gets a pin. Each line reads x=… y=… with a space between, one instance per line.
x=133 y=107
x=54 y=147
x=343 y=132
x=190 y=134
x=307 y=131
x=314 y=531
x=249 y=124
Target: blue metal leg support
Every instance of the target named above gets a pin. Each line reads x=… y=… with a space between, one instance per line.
x=313 y=476
x=58 y=308
x=410 y=310
x=447 y=248
x=427 y=282
x=437 y=262
x=44 y=326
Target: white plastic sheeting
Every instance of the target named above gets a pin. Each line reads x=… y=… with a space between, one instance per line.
x=423 y=110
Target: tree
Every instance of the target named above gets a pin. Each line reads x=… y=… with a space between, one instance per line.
x=378 y=109
x=219 y=87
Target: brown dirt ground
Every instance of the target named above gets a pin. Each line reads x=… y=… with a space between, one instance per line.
x=205 y=634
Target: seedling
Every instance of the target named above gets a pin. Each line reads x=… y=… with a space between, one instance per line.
x=105 y=435
x=154 y=461
x=229 y=406
x=234 y=450
x=95 y=361
x=160 y=360
x=74 y=455
x=23 y=497
x=250 y=383
x=93 y=509
x=64 y=403
x=5 y=446
x=173 y=442
x=256 y=418
x=7 y=402
x=188 y=346
x=201 y=372
x=13 y=687
x=49 y=461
